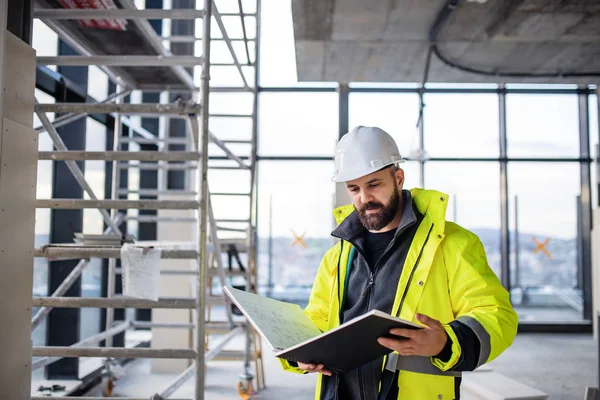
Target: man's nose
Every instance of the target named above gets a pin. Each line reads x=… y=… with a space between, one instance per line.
x=365 y=198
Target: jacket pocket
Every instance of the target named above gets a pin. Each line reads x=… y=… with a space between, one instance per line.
x=415 y=386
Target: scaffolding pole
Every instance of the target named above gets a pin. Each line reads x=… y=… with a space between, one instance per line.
x=202 y=210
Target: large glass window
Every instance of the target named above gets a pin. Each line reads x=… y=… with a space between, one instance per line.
x=298 y=124
x=461 y=125
x=542 y=125
x=395 y=113
x=544 y=237
x=295 y=213
x=473 y=206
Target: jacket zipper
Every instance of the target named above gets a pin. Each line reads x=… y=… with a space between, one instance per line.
x=412 y=272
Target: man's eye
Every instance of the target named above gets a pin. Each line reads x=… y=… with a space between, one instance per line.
x=374 y=185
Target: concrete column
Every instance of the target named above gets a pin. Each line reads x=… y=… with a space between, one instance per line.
x=18 y=169
x=174 y=286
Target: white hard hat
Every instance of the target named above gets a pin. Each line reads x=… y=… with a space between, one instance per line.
x=362 y=151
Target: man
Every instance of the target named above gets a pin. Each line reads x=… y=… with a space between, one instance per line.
x=398 y=254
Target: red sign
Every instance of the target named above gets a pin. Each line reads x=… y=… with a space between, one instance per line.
x=114 y=24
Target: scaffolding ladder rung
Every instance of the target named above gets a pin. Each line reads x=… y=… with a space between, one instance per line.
x=241 y=220
x=229 y=194
x=158 y=218
x=119 y=155
x=117 y=352
x=157 y=140
x=113 y=302
x=155 y=167
x=116 y=13
x=211 y=327
x=85 y=252
x=122 y=61
x=237 y=141
x=219 y=167
x=151 y=109
x=78 y=204
x=156 y=192
x=231 y=115
x=234 y=355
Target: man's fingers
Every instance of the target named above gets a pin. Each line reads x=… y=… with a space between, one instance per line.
x=430 y=322
x=314 y=368
x=321 y=369
x=407 y=333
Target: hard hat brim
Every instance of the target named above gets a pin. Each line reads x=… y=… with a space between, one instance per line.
x=350 y=175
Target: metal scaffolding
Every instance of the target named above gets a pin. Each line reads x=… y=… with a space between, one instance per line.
x=211 y=244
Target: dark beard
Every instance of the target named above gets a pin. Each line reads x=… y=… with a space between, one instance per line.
x=385 y=215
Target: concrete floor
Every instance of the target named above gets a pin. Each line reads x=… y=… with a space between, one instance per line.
x=560 y=365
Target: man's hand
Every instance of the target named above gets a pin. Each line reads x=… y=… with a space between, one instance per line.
x=314 y=368
x=428 y=341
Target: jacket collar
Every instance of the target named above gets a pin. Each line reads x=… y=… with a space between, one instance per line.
x=432 y=204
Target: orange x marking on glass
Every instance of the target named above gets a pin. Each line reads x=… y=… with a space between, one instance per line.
x=541 y=246
x=299 y=239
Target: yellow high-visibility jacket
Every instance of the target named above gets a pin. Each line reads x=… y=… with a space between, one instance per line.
x=445 y=276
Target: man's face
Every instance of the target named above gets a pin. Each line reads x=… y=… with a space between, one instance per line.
x=376 y=197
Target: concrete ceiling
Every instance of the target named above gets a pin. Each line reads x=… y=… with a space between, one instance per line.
x=386 y=40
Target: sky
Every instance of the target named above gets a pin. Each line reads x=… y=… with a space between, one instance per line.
x=306 y=124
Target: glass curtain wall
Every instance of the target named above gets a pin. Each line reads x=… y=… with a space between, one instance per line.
x=457 y=151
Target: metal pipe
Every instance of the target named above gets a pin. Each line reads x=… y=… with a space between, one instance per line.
x=193 y=39
x=219 y=21
x=72 y=117
x=115 y=302
x=122 y=61
x=218 y=115
x=156 y=192
x=72 y=252
x=137 y=109
x=178 y=382
x=111 y=278
x=77 y=204
x=119 y=271
x=203 y=197
x=187 y=374
x=157 y=218
x=219 y=347
x=97 y=338
x=228 y=152
x=117 y=352
x=504 y=200
x=159 y=167
x=244 y=34
x=119 y=155
x=74 y=168
x=62 y=14
x=155 y=140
